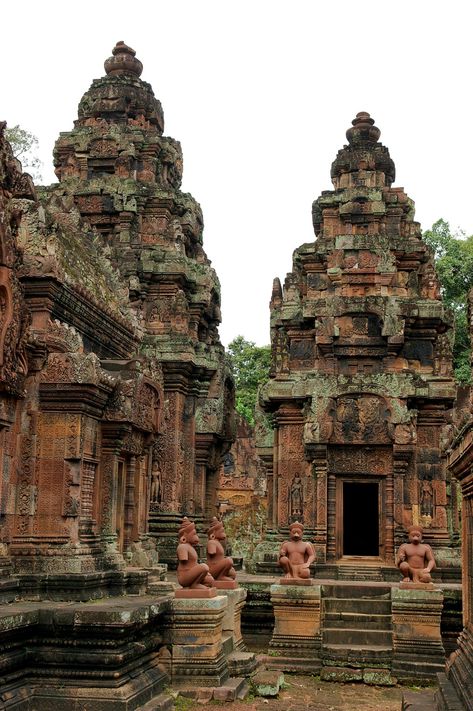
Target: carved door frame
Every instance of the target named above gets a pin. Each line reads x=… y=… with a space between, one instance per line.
x=360 y=479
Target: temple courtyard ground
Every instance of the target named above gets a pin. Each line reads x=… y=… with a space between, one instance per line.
x=309 y=692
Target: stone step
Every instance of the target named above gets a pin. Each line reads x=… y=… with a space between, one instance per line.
x=232 y=689
x=446 y=696
x=378 y=676
x=241 y=663
x=357 y=605
x=373 y=590
x=347 y=572
x=412 y=701
x=356 y=654
x=355 y=620
x=346 y=636
x=161 y=702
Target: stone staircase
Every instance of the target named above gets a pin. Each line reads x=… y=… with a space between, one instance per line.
x=356 y=633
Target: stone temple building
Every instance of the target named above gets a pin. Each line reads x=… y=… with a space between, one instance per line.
x=456 y=686
x=357 y=407
x=116 y=406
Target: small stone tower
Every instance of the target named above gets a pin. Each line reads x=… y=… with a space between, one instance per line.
x=361 y=377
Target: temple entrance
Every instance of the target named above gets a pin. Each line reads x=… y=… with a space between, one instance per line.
x=359 y=518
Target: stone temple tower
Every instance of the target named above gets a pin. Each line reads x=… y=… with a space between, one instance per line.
x=124 y=177
x=362 y=382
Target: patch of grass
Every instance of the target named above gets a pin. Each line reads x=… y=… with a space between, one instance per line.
x=181 y=703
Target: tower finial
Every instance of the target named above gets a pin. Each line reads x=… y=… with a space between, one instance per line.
x=363 y=129
x=123 y=61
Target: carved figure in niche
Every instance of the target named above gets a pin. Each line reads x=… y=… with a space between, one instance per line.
x=443 y=355
x=155 y=484
x=191 y=573
x=361 y=419
x=426 y=498
x=178 y=237
x=415 y=559
x=124 y=165
x=220 y=565
x=228 y=463
x=280 y=354
x=296 y=499
x=429 y=285
x=348 y=415
x=296 y=555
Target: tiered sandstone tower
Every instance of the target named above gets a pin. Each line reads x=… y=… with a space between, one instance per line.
x=362 y=376
x=124 y=176
x=116 y=405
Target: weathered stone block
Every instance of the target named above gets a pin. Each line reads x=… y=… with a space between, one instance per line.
x=341 y=674
x=267 y=683
x=296 y=635
x=418 y=652
x=195 y=636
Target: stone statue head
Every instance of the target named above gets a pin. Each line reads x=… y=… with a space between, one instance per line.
x=415 y=533
x=187 y=532
x=216 y=530
x=296 y=530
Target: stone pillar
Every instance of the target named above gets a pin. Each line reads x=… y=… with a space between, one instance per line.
x=195 y=636
x=418 y=652
x=320 y=468
x=296 y=638
x=107 y=512
x=231 y=624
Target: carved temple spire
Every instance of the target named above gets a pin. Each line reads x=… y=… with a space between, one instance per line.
x=364 y=161
x=358 y=336
x=121 y=97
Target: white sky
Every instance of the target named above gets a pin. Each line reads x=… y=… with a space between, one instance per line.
x=260 y=94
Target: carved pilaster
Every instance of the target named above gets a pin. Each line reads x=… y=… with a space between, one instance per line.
x=320 y=474
x=331 y=517
x=130 y=502
x=402 y=457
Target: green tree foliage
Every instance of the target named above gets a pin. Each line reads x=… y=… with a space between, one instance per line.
x=250 y=365
x=454 y=265
x=24 y=144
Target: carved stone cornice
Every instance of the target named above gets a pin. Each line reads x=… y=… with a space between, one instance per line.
x=85 y=398
x=108 y=335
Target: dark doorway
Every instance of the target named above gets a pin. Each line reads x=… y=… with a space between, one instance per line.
x=360 y=518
